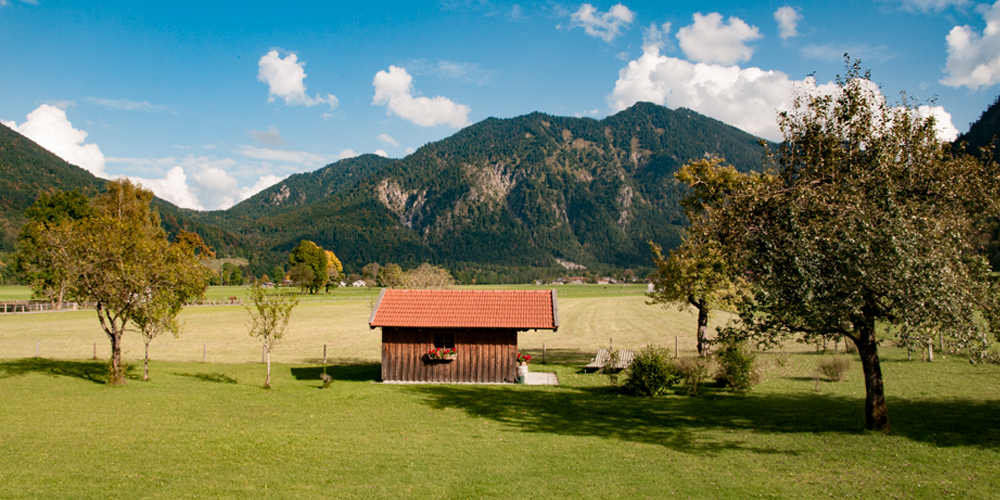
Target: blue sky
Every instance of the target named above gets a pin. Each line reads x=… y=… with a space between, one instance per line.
x=209 y=102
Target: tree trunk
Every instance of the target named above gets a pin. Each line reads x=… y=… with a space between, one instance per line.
x=62 y=290
x=145 y=364
x=702 y=327
x=114 y=332
x=267 y=354
x=876 y=412
x=117 y=376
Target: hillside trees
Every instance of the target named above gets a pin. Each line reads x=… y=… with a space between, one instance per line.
x=863 y=219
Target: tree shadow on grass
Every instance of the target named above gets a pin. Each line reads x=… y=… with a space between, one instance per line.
x=353 y=372
x=220 y=378
x=684 y=423
x=94 y=371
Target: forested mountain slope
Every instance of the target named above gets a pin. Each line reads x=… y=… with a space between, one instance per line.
x=522 y=191
x=28 y=170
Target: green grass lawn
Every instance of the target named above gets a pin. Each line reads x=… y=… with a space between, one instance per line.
x=209 y=430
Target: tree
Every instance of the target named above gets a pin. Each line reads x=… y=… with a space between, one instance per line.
x=43 y=245
x=278 y=274
x=231 y=274
x=314 y=257
x=334 y=271
x=122 y=258
x=269 y=317
x=427 y=276
x=864 y=219
x=698 y=272
x=302 y=276
x=390 y=276
x=157 y=312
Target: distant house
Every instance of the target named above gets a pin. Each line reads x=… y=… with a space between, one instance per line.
x=604 y=281
x=481 y=325
x=576 y=280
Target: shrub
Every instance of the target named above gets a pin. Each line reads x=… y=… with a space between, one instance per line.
x=692 y=372
x=651 y=372
x=611 y=367
x=834 y=368
x=737 y=368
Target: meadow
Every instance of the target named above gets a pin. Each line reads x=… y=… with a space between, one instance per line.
x=201 y=430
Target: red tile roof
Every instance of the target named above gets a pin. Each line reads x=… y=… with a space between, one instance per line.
x=517 y=309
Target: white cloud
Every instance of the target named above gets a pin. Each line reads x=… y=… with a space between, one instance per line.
x=603 y=25
x=263 y=183
x=282 y=155
x=173 y=187
x=974 y=58
x=127 y=105
x=590 y=112
x=746 y=98
x=271 y=136
x=709 y=40
x=657 y=37
x=395 y=90
x=409 y=150
x=382 y=153
x=946 y=131
x=347 y=153
x=788 y=18
x=48 y=126
x=388 y=140
x=286 y=79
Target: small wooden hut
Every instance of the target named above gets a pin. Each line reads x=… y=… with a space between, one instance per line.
x=481 y=325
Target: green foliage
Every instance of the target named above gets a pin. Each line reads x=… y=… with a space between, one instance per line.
x=864 y=218
x=834 y=368
x=277 y=274
x=43 y=256
x=390 y=276
x=269 y=317
x=737 y=368
x=651 y=372
x=692 y=372
x=315 y=260
x=120 y=259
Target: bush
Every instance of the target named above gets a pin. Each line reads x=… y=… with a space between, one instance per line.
x=692 y=371
x=737 y=368
x=651 y=372
x=834 y=368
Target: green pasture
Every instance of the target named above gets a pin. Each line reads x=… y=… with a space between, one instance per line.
x=208 y=430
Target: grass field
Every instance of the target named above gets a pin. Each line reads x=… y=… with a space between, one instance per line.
x=200 y=430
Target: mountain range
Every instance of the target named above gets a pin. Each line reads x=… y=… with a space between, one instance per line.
x=531 y=191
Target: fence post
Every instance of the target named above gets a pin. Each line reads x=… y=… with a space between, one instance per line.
x=675 y=347
x=543 y=353
x=95 y=350
x=324 y=354
x=204 y=352
x=37 y=344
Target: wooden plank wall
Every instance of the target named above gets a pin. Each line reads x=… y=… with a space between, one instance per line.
x=482 y=355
